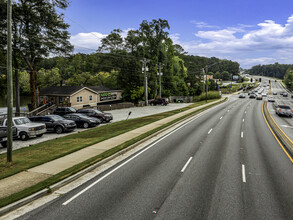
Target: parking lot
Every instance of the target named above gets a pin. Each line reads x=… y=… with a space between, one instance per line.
x=118 y=115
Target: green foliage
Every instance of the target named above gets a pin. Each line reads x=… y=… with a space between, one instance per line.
x=275 y=70
x=24 y=79
x=49 y=78
x=288 y=79
x=136 y=94
x=210 y=95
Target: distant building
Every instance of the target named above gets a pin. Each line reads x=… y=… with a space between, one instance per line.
x=79 y=96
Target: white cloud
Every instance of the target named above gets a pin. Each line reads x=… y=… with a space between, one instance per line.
x=85 y=41
x=264 y=43
x=201 y=24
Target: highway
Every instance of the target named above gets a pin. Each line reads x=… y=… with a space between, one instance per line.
x=285 y=123
x=225 y=164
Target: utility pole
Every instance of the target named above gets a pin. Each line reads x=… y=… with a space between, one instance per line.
x=9 y=83
x=206 y=84
x=145 y=69
x=205 y=71
x=160 y=67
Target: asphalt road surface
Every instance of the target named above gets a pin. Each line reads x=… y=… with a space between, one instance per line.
x=225 y=164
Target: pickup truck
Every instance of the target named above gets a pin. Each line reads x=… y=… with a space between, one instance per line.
x=27 y=129
x=3 y=135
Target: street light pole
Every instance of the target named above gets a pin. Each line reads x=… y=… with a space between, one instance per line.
x=206 y=84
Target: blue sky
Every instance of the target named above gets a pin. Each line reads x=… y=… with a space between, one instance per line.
x=250 y=32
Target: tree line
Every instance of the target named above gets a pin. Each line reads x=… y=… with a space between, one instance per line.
x=39 y=31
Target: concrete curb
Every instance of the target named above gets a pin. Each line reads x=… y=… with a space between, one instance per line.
x=282 y=137
x=37 y=195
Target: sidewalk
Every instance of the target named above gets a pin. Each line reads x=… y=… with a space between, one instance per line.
x=25 y=179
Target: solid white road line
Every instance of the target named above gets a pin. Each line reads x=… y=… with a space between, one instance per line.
x=210 y=131
x=130 y=159
x=221 y=117
x=186 y=165
x=243 y=174
x=241 y=134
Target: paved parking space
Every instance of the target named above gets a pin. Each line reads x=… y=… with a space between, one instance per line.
x=118 y=115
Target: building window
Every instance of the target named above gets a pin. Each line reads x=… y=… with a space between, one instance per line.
x=91 y=98
x=79 y=99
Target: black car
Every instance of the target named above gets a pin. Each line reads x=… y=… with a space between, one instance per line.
x=64 y=110
x=104 y=117
x=55 y=123
x=159 y=102
x=82 y=120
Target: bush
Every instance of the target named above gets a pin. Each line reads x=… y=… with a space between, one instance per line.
x=211 y=95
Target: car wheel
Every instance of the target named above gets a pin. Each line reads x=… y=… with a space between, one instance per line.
x=23 y=136
x=4 y=144
x=58 y=129
x=85 y=125
x=39 y=135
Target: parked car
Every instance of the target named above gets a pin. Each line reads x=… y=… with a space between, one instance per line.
x=55 y=123
x=104 y=117
x=82 y=120
x=259 y=97
x=242 y=95
x=64 y=110
x=252 y=96
x=284 y=110
x=3 y=135
x=27 y=129
x=159 y=102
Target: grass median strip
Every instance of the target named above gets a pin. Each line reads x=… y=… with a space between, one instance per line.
x=50 y=150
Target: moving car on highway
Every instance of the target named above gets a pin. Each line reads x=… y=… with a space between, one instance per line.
x=242 y=95
x=283 y=110
x=252 y=96
x=259 y=97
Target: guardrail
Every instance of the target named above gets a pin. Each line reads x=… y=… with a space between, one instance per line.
x=279 y=133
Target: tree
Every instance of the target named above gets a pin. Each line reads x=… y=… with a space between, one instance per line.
x=38 y=30
x=113 y=42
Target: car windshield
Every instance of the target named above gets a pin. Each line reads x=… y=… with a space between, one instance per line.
x=98 y=111
x=56 y=117
x=21 y=121
x=71 y=109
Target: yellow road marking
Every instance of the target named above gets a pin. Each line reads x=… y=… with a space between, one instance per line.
x=276 y=136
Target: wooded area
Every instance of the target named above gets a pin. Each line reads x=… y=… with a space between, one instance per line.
x=39 y=31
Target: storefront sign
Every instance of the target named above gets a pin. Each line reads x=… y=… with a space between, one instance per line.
x=108 y=96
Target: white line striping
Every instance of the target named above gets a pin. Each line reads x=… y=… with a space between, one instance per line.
x=243 y=120
x=243 y=174
x=241 y=134
x=210 y=131
x=130 y=159
x=245 y=112
x=221 y=117
x=186 y=165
